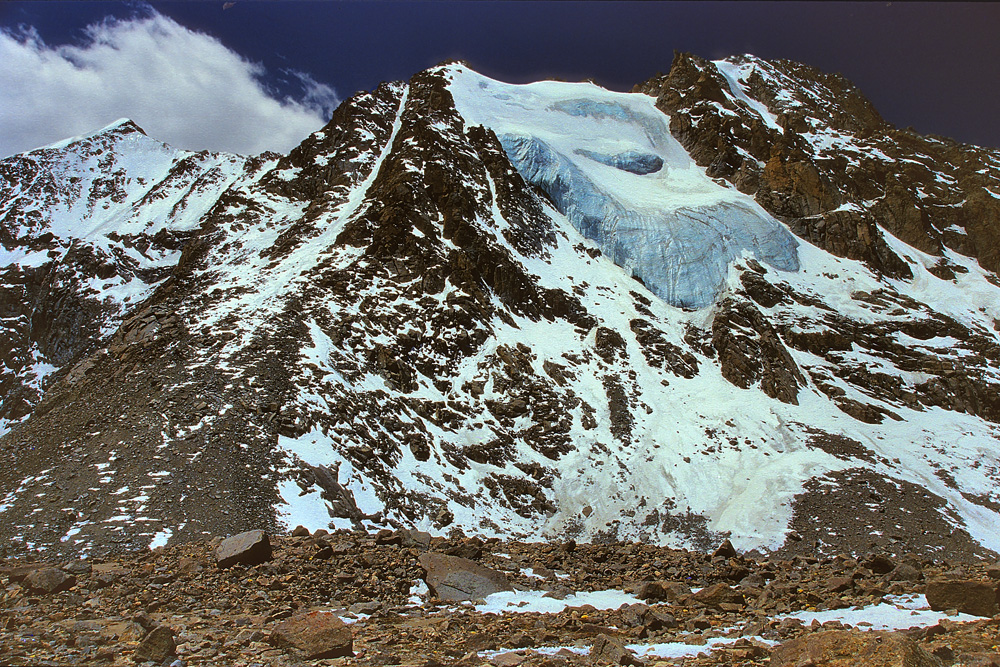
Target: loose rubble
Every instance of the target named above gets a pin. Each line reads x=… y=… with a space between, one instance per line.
x=354 y=598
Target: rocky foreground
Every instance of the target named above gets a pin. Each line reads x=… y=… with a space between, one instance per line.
x=405 y=598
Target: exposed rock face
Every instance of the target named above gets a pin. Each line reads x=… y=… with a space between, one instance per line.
x=409 y=321
x=815 y=153
x=750 y=351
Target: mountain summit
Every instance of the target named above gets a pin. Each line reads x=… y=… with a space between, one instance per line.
x=733 y=303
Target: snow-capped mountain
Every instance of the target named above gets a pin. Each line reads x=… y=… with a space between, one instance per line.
x=87 y=227
x=734 y=302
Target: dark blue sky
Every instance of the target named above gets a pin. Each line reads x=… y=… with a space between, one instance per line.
x=933 y=66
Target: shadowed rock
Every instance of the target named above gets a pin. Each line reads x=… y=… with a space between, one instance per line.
x=49 y=580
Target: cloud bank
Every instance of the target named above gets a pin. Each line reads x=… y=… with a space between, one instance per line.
x=182 y=87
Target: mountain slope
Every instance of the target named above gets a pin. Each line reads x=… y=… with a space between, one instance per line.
x=87 y=226
x=525 y=310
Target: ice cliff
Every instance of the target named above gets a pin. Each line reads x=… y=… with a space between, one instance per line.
x=610 y=165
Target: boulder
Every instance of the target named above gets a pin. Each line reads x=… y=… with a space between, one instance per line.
x=157 y=646
x=416 y=538
x=725 y=550
x=839 y=584
x=879 y=564
x=78 y=568
x=49 y=580
x=611 y=651
x=316 y=635
x=718 y=596
x=967 y=596
x=850 y=648
x=662 y=591
x=250 y=548
x=454 y=578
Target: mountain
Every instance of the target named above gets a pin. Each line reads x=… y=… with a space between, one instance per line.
x=733 y=303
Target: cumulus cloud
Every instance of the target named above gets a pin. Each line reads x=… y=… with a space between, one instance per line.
x=182 y=87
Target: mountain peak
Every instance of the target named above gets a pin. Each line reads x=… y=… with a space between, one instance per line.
x=120 y=128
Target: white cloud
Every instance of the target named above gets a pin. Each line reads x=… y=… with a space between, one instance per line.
x=180 y=86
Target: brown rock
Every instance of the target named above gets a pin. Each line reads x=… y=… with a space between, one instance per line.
x=608 y=650
x=454 y=578
x=905 y=572
x=49 y=580
x=879 y=564
x=157 y=646
x=980 y=659
x=300 y=531
x=188 y=567
x=969 y=597
x=725 y=550
x=839 y=584
x=416 y=538
x=662 y=591
x=717 y=595
x=852 y=648
x=317 y=635
x=250 y=548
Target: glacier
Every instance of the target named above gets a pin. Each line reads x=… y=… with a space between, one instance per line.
x=608 y=162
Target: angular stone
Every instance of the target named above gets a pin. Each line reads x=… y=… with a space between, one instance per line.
x=78 y=568
x=725 y=550
x=905 y=572
x=662 y=591
x=316 y=635
x=852 y=648
x=969 y=597
x=250 y=548
x=608 y=650
x=157 y=646
x=879 y=564
x=454 y=578
x=839 y=584
x=718 y=594
x=300 y=531
x=49 y=580
x=416 y=538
